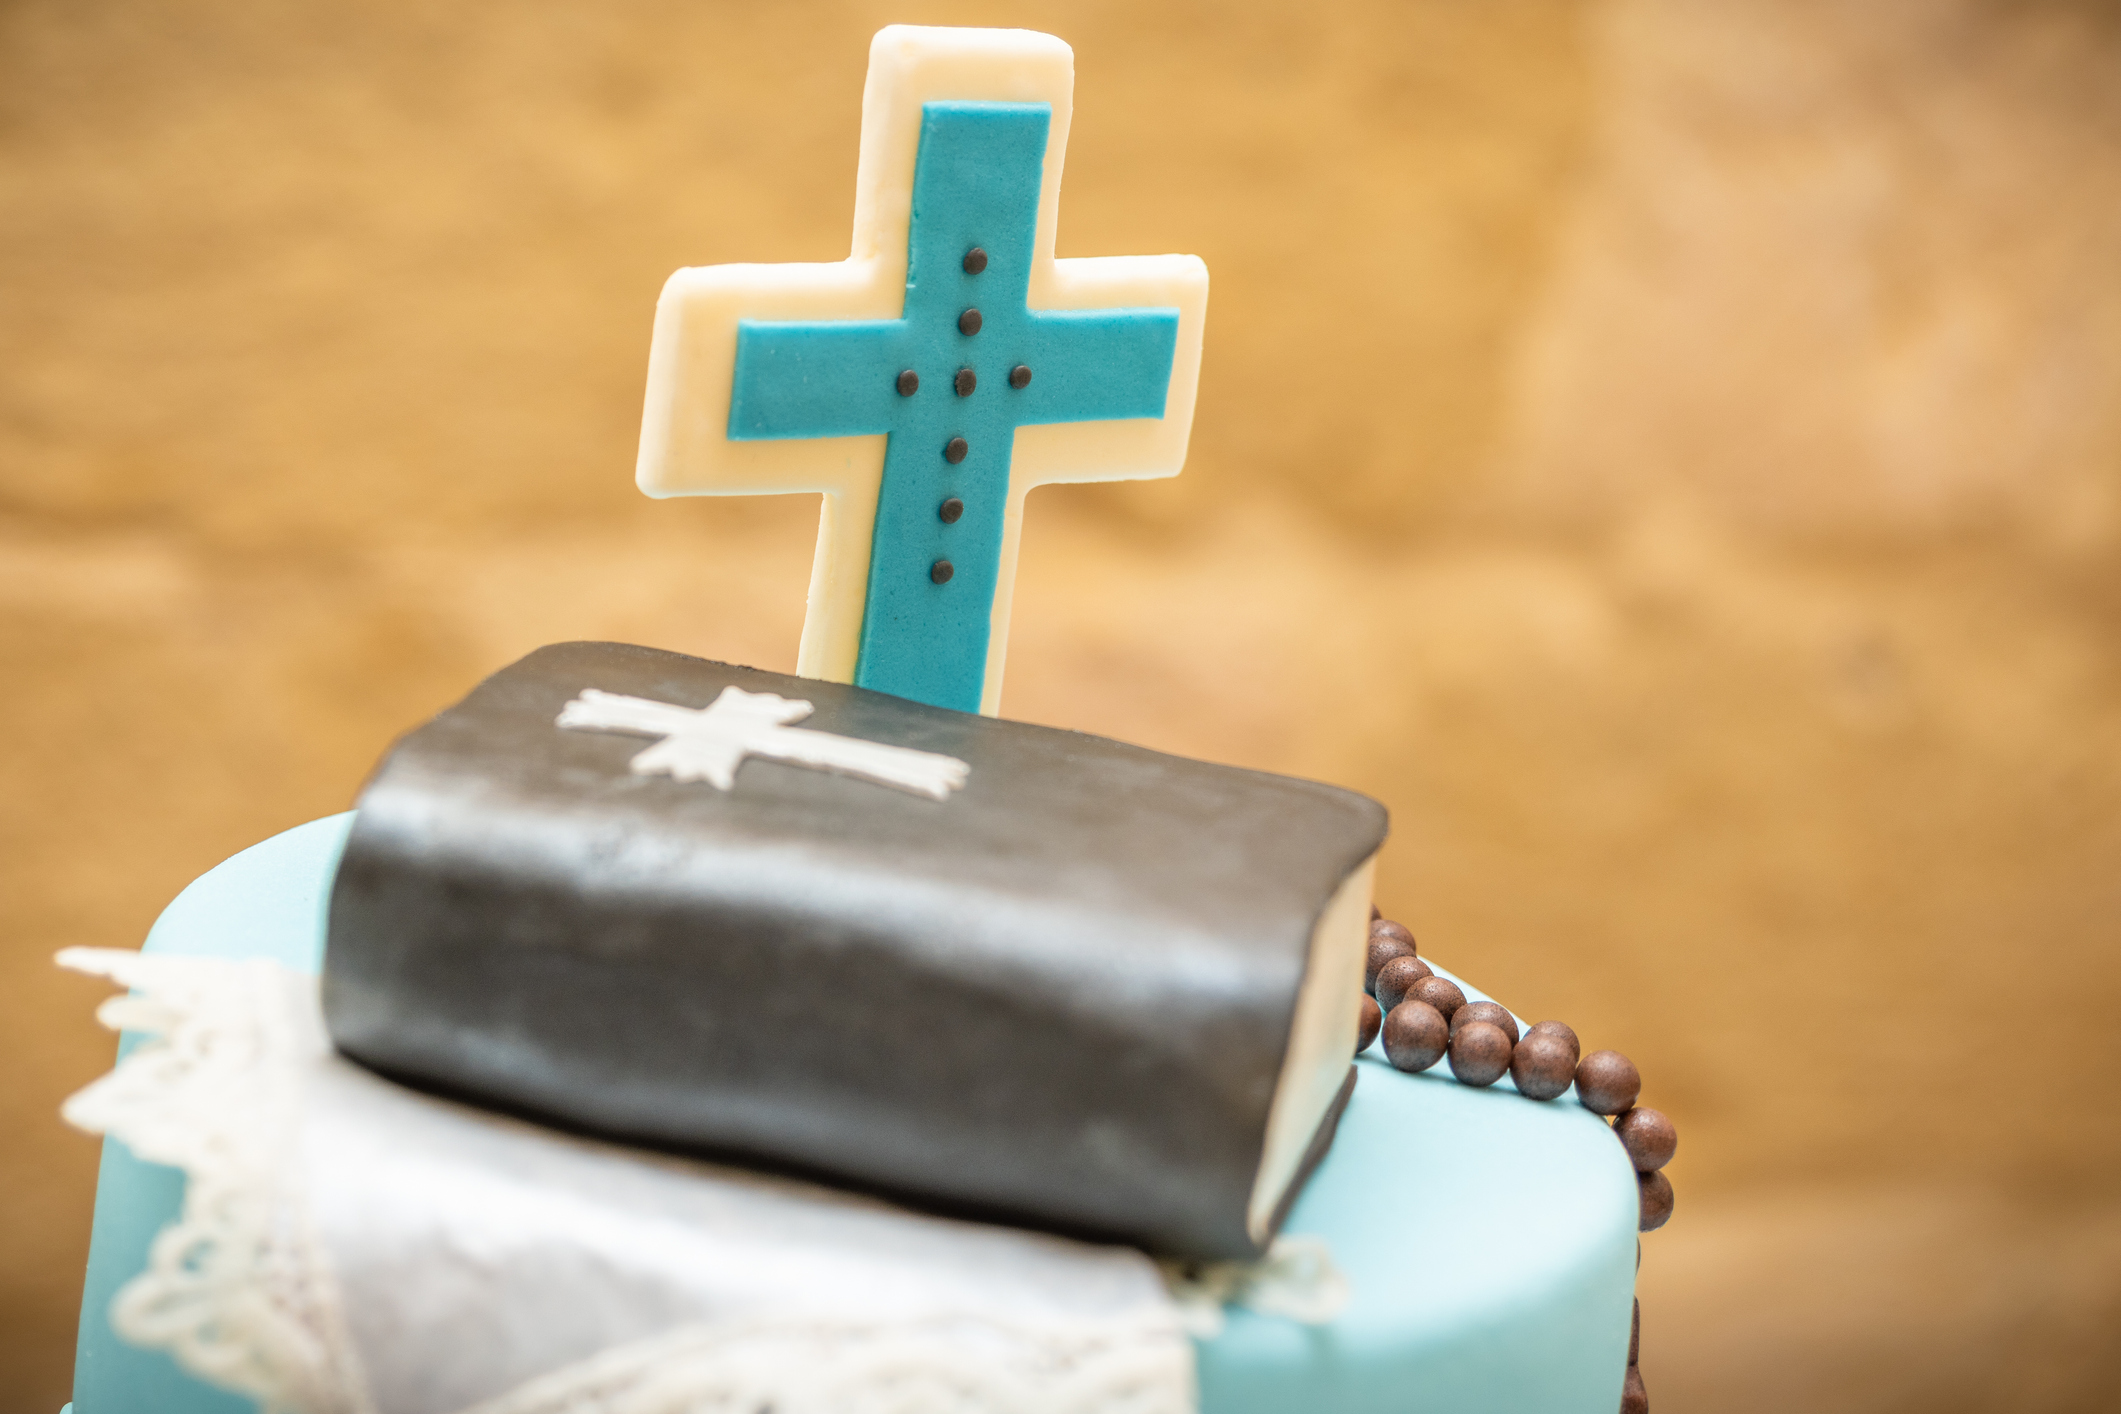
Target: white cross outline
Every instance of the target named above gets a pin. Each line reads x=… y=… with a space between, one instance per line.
x=685 y=446
x=709 y=743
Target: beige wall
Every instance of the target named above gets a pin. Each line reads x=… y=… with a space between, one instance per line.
x=1670 y=453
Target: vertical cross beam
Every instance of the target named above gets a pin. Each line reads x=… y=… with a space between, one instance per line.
x=927 y=383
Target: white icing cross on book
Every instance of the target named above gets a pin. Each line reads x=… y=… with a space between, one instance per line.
x=708 y=744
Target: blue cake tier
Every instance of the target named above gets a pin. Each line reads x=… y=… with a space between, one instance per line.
x=1489 y=1240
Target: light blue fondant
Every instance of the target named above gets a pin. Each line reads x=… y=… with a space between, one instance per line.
x=1489 y=1240
x=975 y=183
x=1490 y=1244
x=266 y=902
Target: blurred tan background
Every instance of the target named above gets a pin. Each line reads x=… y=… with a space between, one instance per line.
x=1670 y=453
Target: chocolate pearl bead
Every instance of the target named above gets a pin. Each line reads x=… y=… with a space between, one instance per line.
x=1416 y=1035
x=1440 y=993
x=1634 y=1399
x=1635 y=1333
x=950 y=510
x=1561 y=1032
x=909 y=383
x=1020 y=376
x=1386 y=928
x=1480 y=1053
x=1397 y=977
x=1383 y=950
x=1607 y=1082
x=975 y=261
x=1656 y=1200
x=1542 y=1065
x=968 y=322
x=954 y=450
x=1493 y=1013
x=1373 y=1017
x=965 y=382
x=941 y=571
x=1649 y=1137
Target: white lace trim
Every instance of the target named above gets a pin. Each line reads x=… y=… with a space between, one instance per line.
x=940 y=1365
x=236 y=1290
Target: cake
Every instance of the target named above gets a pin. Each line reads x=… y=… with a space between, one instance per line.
x=1017 y=991
x=1489 y=1242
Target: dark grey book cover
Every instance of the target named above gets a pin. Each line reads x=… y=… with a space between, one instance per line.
x=1096 y=988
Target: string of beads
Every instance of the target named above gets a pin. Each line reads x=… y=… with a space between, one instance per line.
x=1422 y=1018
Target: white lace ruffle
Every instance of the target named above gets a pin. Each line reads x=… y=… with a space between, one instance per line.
x=325 y=1209
x=960 y=1364
x=236 y=1290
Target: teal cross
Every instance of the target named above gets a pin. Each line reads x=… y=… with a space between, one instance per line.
x=948 y=382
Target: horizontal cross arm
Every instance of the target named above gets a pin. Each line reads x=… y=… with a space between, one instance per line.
x=686 y=449
x=816 y=379
x=926 y=773
x=1129 y=445
x=1099 y=364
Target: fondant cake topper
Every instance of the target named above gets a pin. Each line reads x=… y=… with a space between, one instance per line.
x=709 y=743
x=1103 y=990
x=926 y=383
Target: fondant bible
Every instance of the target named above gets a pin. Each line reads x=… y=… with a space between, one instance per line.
x=1090 y=987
